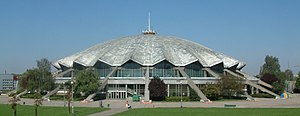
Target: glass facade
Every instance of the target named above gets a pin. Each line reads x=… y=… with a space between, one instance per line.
x=130 y=69
x=194 y=70
x=163 y=69
x=103 y=69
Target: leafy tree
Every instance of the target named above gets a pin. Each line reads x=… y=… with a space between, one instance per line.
x=297 y=85
x=229 y=85
x=34 y=81
x=277 y=83
x=44 y=65
x=271 y=65
x=158 y=89
x=23 y=83
x=269 y=78
x=38 y=79
x=44 y=73
x=87 y=82
x=212 y=91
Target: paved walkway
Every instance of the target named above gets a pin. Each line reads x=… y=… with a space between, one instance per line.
x=118 y=106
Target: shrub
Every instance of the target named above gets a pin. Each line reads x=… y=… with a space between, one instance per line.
x=211 y=91
x=193 y=96
x=262 y=95
x=177 y=99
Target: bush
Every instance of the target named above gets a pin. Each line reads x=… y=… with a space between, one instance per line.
x=28 y=95
x=262 y=95
x=211 y=91
x=177 y=99
x=278 y=87
x=193 y=95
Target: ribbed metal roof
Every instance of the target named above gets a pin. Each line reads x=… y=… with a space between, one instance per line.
x=149 y=50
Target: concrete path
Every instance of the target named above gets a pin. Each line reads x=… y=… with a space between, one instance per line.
x=118 y=106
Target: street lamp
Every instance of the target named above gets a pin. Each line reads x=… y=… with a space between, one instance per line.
x=72 y=86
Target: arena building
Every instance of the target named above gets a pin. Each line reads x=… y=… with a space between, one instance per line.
x=127 y=64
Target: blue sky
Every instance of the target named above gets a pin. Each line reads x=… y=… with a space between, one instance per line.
x=247 y=30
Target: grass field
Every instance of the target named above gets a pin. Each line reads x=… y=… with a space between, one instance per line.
x=212 y=112
x=24 y=110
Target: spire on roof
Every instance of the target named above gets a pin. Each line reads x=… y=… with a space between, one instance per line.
x=149 y=31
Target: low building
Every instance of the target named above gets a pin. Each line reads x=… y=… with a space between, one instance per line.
x=8 y=82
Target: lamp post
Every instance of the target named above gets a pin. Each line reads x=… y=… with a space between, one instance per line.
x=180 y=93
x=72 y=86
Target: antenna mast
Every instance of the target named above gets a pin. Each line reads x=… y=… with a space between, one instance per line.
x=149 y=31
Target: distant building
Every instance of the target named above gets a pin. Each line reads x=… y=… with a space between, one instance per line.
x=8 y=82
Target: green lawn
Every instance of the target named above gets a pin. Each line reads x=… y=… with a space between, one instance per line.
x=212 y=112
x=24 y=110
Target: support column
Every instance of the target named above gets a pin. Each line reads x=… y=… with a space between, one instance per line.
x=147 y=93
x=204 y=73
x=256 y=91
x=188 y=90
x=252 y=90
x=126 y=96
x=168 y=90
x=245 y=88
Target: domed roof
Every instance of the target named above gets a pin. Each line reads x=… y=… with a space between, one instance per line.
x=148 y=50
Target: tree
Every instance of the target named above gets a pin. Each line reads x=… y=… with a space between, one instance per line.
x=13 y=102
x=44 y=73
x=87 y=82
x=37 y=102
x=269 y=78
x=68 y=86
x=271 y=65
x=229 y=85
x=277 y=83
x=44 y=65
x=33 y=80
x=157 y=89
x=297 y=85
x=38 y=79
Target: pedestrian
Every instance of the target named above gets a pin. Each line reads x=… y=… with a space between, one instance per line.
x=100 y=104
